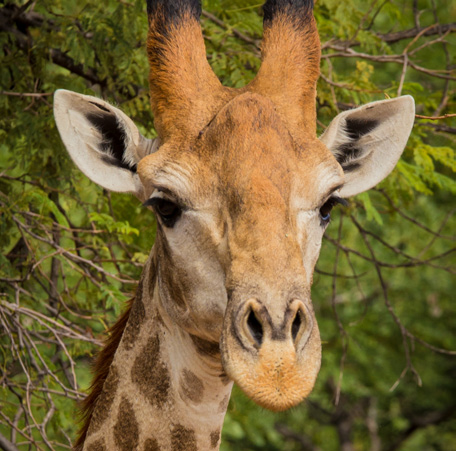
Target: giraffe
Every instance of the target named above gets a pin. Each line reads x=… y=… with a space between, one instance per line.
x=242 y=190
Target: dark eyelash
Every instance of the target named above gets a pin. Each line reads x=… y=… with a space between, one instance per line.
x=168 y=210
x=151 y=202
x=339 y=200
x=325 y=209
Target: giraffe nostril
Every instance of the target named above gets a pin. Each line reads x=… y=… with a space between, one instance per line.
x=296 y=325
x=255 y=328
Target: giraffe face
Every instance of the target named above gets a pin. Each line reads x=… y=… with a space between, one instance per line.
x=242 y=204
x=240 y=223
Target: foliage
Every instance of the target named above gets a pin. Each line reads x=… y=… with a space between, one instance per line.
x=71 y=252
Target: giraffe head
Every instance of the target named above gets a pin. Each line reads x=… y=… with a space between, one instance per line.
x=241 y=187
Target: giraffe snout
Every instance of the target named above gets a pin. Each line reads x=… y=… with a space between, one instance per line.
x=272 y=350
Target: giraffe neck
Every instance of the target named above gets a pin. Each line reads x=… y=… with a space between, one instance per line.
x=166 y=389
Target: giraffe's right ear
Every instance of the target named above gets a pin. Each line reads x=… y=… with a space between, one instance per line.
x=103 y=142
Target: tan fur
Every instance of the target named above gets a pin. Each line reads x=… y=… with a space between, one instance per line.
x=289 y=72
x=184 y=91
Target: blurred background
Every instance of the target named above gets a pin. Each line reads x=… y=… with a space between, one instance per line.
x=71 y=253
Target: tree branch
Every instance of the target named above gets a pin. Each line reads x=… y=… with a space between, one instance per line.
x=440 y=128
x=6 y=445
x=391 y=38
x=397 y=36
x=235 y=32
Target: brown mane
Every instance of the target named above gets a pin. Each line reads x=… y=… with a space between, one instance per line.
x=100 y=370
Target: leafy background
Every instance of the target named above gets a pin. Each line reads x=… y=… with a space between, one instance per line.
x=71 y=253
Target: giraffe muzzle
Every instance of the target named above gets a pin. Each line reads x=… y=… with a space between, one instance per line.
x=273 y=354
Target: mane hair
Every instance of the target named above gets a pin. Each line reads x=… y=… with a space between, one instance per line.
x=100 y=370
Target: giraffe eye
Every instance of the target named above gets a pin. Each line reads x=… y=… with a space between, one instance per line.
x=325 y=209
x=166 y=210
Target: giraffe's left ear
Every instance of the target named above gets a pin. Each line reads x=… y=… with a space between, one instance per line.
x=103 y=142
x=369 y=140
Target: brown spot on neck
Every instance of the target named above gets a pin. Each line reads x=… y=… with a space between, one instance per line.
x=151 y=445
x=126 y=430
x=135 y=321
x=192 y=387
x=138 y=312
x=98 y=445
x=215 y=437
x=152 y=274
x=171 y=277
x=205 y=347
x=150 y=374
x=224 y=404
x=183 y=439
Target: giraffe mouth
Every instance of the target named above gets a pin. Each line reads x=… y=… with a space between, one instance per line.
x=275 y=363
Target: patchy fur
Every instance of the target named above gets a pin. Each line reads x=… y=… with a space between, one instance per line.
x=101 y=370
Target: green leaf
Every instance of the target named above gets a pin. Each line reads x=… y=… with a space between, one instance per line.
x=371 y=211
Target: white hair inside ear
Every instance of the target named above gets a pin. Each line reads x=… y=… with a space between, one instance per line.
x=103 y=142
x=369 y=140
